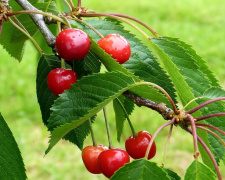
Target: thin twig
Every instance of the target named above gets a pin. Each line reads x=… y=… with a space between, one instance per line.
x=155 y=134
x=107 y=128
x=167 y=142
x=28 y=35
x=205 y=104
x=209 y=116
x=214 y=134
x=210 y=126
x=209 y=153
x=192 y=122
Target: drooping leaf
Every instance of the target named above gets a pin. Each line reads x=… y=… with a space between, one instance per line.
x=140 y=170
x=119 y=113
x=11 y=163
x=199 y=171
x=83 y=100
x=172 y=175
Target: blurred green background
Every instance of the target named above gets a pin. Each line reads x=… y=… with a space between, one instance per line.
x=200 y=23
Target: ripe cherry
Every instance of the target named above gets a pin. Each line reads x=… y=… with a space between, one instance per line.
x=72 y=44
x=117 y=46
x=111 y=160
x=60 y=79
x=136 y=146
x=90 y=157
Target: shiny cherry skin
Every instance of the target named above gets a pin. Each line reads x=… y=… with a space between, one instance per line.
x=60 y=79
x=136 y=146
x=117 y=46
x=72 y=44
x=90 y=157
x=111 y=160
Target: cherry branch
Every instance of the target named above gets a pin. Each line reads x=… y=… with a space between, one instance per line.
x=161 y=108
x=39 y=21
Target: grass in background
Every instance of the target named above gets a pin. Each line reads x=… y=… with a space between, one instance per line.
x=199 y=23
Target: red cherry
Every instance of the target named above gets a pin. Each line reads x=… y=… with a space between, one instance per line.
x=117 y=46
x=90 y=157
x=72 y=44
x=111 y=160
x=136 y=146
x=60 y=79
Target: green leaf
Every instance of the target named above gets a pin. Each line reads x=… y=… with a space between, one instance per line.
x=12 y=39
x=11 y=163
x=90 y=64
x=199 y=171
x=46 y=98
x=83 y=100
x=172 y=175
x=199 y=61
x=140 y=57
x=119 y=113
x=216 y=107
x=140 y=170
x=188 y=79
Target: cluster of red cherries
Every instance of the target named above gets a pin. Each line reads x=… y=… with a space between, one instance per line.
x=99 y=159
x=74 y=44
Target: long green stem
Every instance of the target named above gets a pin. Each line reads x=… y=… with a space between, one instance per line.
x=37 y=12
x=28 y=35
x=68 y=5
x=107 y=129
x=115 y=17
x=155 y=134
x=136 y=20
x=127 y=116
x=92 y=133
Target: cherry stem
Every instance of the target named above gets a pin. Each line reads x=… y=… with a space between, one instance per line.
x=91 y=27
x=128 y=119
x=204 y=104
x=192 y=122
x=209 y=153
x=210 y=126
x=68 y=5
x=164 y=92
x=67 y=22
x=214 y=134
x=107 y=129
x=138 y=21
x=79 y=3
x=63 y=65
x=155 y=134
x=36 y=12
x=167 y=142
x=209 y=116
x=71 y=2
x=190 y=103
x=21 y=25
x=28 y=35
x=92 y=133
